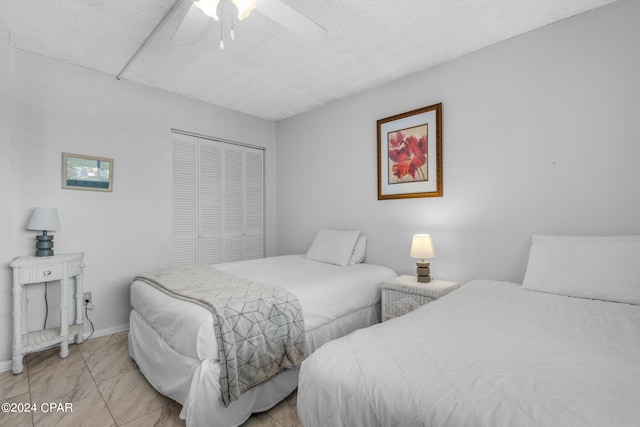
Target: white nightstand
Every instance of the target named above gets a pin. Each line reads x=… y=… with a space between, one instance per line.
x=31 y=269
x=403 y=294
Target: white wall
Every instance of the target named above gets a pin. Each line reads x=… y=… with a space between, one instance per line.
x=57 y=107
x=6 y=231
x=541 y=135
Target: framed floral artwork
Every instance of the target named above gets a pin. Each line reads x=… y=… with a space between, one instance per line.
x=410 y=154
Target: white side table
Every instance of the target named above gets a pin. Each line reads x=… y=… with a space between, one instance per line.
x=403 y=294
x=31 y=269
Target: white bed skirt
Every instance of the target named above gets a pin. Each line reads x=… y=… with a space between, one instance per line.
x=195 y=383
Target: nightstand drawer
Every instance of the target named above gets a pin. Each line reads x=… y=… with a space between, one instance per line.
x=41 y=273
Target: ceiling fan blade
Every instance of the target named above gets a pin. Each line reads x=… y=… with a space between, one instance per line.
x=291 y=19
x=191 y=26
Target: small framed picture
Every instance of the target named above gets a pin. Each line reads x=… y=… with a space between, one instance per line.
x=410 y=154
x=80 y=172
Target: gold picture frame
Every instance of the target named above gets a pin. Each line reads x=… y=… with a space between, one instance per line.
x=410 y=154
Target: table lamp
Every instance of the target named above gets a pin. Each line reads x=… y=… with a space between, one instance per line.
x=422 y=249
x=45 y=219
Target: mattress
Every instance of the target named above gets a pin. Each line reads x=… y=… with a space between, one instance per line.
x=488 y=354
x=326 y=293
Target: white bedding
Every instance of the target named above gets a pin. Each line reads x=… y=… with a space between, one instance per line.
x=326 y=292
x=489 y=354
x=174 y=344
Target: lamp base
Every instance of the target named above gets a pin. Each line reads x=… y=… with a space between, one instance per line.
x=423 y=271
x=44 y=245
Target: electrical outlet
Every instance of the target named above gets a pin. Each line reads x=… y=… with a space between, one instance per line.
x=87 y=298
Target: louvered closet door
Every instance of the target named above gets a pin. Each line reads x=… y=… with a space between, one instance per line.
x=254 y=203
x=218 y=204
x=243 y=234
x=233 y=166
x=197 y=205
x=185 y=201
x=209 y=201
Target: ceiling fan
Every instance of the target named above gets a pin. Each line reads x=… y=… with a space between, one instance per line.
x=201 y=11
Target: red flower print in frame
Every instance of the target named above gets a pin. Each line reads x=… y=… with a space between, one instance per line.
x=407 y=154
x=410 y=154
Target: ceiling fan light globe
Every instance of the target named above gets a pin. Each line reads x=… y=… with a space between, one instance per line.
x=208 y=7
x=244 y=7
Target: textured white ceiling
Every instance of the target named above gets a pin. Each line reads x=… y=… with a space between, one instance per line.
x=267 y=71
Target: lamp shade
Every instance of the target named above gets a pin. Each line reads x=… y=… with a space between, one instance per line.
x=422 y=247
x=45 y=219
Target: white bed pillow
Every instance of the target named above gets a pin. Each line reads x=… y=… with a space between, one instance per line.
x=597 y=267
x=333 y=246
x=359 y=250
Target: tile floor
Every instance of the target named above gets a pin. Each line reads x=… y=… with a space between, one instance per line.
x=105 y=388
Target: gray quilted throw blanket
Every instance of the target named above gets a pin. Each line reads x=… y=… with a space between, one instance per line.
x=259 y=327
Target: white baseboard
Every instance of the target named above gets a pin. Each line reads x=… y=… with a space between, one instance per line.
x=7 y=365
x=107 y=331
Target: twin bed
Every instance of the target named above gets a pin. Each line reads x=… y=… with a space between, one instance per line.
x=174 y=342
x=561 y=349
x=488 y=354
